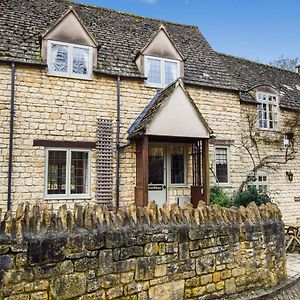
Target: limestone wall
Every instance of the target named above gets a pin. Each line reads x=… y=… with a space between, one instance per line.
x=140 y=253
x=283 y=192
x=66 y=109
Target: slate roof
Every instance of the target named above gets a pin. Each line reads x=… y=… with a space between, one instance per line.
x=249 y=74
x=140 y=124
x=119 y=36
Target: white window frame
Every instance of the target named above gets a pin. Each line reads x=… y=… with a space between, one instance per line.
x=70 y=73
x=256 y=182
x=68 y=194
x=162 y=70
x=228 y=164
x=267 y=102
x=184 y=184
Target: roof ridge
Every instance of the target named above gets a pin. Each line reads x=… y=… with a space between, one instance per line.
x=257 y=63
x=128 y=14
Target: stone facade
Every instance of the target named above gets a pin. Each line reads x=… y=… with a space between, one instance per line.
x=66 y=109
x=140 y=253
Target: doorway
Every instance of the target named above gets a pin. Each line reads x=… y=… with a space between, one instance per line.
x=157 y=176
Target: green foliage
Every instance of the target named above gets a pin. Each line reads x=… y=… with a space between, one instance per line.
x=37 y=55
x=251 y=195
x=220 y=197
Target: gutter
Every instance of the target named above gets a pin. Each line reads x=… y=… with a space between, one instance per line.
x=11 y=135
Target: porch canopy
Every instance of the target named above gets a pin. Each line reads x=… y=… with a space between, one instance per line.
x=172 y=116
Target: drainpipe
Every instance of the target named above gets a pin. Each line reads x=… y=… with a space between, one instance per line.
x=11 y=135
x=118 y=146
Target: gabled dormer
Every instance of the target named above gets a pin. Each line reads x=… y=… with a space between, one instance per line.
x=267 y=99
x=68 y=48
x=160 y=61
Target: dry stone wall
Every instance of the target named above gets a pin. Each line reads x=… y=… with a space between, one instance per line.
x=139 y=253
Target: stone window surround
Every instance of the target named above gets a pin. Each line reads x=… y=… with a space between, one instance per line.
x=276 y=126
x=68 y=195
x=69 y=73
x=227 y=147
x=162 y=69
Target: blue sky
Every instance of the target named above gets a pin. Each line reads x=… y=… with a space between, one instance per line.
x=260 y=30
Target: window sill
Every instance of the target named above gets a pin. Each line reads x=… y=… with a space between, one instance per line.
x=154 y=86
x=224 y=185
x=89 y=78
x=69 y=198
x=270 y=130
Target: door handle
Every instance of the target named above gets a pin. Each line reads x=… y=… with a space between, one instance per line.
x=164 y=187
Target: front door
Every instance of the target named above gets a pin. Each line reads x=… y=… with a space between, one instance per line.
x=157 y=189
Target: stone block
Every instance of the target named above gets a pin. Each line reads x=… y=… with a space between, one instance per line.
x=205 y=279
x=171 y=247
x=127 y=277
x=109 y=280
x=45 y=271
x=160 y=270
x=105 y=262
x=134 y=251
x=151 y=249
x=39 y=296
x=68 y=286
x=38 y=285
x=205 y=264
x=145 y=268
x=183 y=252
x=170 y=290
x=86 y=263
x=125 y=265
x=66 y=267
x=21 y=259
x=230 y=287
x=114 y=292
x=6 y=262
x=134 y=288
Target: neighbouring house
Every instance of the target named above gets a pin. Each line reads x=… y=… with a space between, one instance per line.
x=99 y=106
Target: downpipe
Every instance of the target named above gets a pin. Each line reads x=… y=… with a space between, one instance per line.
x=11 y=136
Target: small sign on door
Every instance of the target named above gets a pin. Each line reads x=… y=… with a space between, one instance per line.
x=155 y=188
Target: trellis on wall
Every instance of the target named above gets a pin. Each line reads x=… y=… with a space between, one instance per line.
x=104 y=162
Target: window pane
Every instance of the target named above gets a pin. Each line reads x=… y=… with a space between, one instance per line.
x=171 y=72
x=260 y=182
x=154 y=71
x=79 y=171
x=177 y=164
x=156 y=165
x=56 y=172
x=221 y=165
x=59 y=58
x=267 y=111
x=80 y=61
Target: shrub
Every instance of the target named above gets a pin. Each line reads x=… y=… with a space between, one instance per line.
x=220 y=197
x=251 y=195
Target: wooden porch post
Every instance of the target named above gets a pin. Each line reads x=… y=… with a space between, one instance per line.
x=141 y=189
x=205 y=161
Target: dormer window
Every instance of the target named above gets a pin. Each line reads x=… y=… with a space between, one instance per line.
x=161 y=71
x=267 y=111
x=70 y=60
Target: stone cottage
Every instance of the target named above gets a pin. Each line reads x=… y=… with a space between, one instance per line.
x=99 y=106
